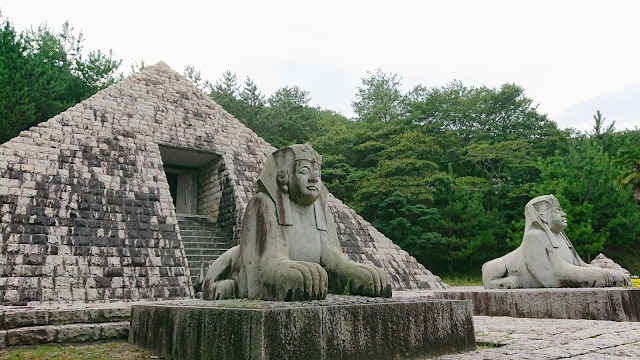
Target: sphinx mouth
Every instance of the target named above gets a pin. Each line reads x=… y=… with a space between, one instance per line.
x=312 y=187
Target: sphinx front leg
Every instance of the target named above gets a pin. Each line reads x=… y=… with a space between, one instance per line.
x=287 y=280
x=496 y=276
x=220 y=290
x=360 y=279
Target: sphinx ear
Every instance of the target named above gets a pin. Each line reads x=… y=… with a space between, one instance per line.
x=543 y=217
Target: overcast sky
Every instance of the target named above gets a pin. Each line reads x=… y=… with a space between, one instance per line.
x=571 y=57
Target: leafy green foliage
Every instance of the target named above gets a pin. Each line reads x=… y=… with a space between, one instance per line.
x=380 y=98
x=289 y=118
x=282 y=119
x=43 y=73
x=225 y=92
x=600 y=216
x=629 y=159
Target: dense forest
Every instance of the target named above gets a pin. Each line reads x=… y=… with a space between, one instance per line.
x=444 y=172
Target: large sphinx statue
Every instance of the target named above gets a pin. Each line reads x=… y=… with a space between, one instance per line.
x=288 y=246
x=546 y=257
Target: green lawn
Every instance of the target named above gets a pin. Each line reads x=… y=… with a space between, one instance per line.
x=467 y=279
x=113 y=350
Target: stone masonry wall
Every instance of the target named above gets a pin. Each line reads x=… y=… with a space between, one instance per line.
x=209 y=189
x=216 y=196
x=86 y=213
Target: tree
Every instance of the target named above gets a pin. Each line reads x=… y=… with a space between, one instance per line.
x=599 y=214
x=252 y=103
x=192 y=75
x=225 y=92
x=380 y=98
x=481 y=113
x=44 y=73
x=17 y=111
x=599 y=131
x=288 y=119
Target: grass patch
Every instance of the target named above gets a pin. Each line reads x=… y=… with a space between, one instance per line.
x=112 y=350
x=466 y=279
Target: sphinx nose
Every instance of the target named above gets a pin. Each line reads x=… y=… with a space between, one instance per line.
x=313 y=178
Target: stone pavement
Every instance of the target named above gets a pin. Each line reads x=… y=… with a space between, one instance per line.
x=526 y=338
x=519 y=338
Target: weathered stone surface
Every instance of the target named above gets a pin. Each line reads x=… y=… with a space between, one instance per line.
x=115 y=330
x=67 y=316
x=604 y=262
x=515 y=339
x=31 y=335
x=354 y=328
x=86 y=214
x=617 y=304
x=78 y=333
x=63 y=314
x=70 y=333
x=64 y=323
x=25 y=318
x=546 y=257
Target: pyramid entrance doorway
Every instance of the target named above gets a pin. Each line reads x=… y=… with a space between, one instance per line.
x=195 y=188
x=182 y=167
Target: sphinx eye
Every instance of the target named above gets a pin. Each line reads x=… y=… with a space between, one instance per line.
x=316 y=173
x=303 y=171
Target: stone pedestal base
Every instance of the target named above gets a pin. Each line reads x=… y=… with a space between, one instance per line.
x=337 y=328
x=617 y=304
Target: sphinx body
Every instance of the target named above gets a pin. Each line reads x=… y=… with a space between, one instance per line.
x=546 y=257
x=289 y=247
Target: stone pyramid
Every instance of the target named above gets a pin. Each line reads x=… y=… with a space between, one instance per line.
x=88 y=212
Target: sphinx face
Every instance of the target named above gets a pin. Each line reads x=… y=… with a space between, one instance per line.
x=556 y=219
x=304 y=182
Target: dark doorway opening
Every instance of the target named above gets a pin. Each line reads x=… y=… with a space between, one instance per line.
x=182 y=168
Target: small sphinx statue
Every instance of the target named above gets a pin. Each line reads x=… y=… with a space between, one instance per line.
x=546 y=257
x=288 y=248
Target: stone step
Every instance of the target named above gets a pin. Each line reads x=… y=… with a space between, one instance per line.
x=195 y=252
x=202 y=240
x=63 y=323
x=204 y=245
x=20 y=316
x=202 y=234
x=195 y=220
x=194 y=260
x=200 y=230
x=71 y=333
x=191 y=226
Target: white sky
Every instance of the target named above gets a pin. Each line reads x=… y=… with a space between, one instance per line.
x=571 y=57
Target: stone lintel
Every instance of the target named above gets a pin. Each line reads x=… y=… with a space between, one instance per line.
x=616 y=304
x=243 y=329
